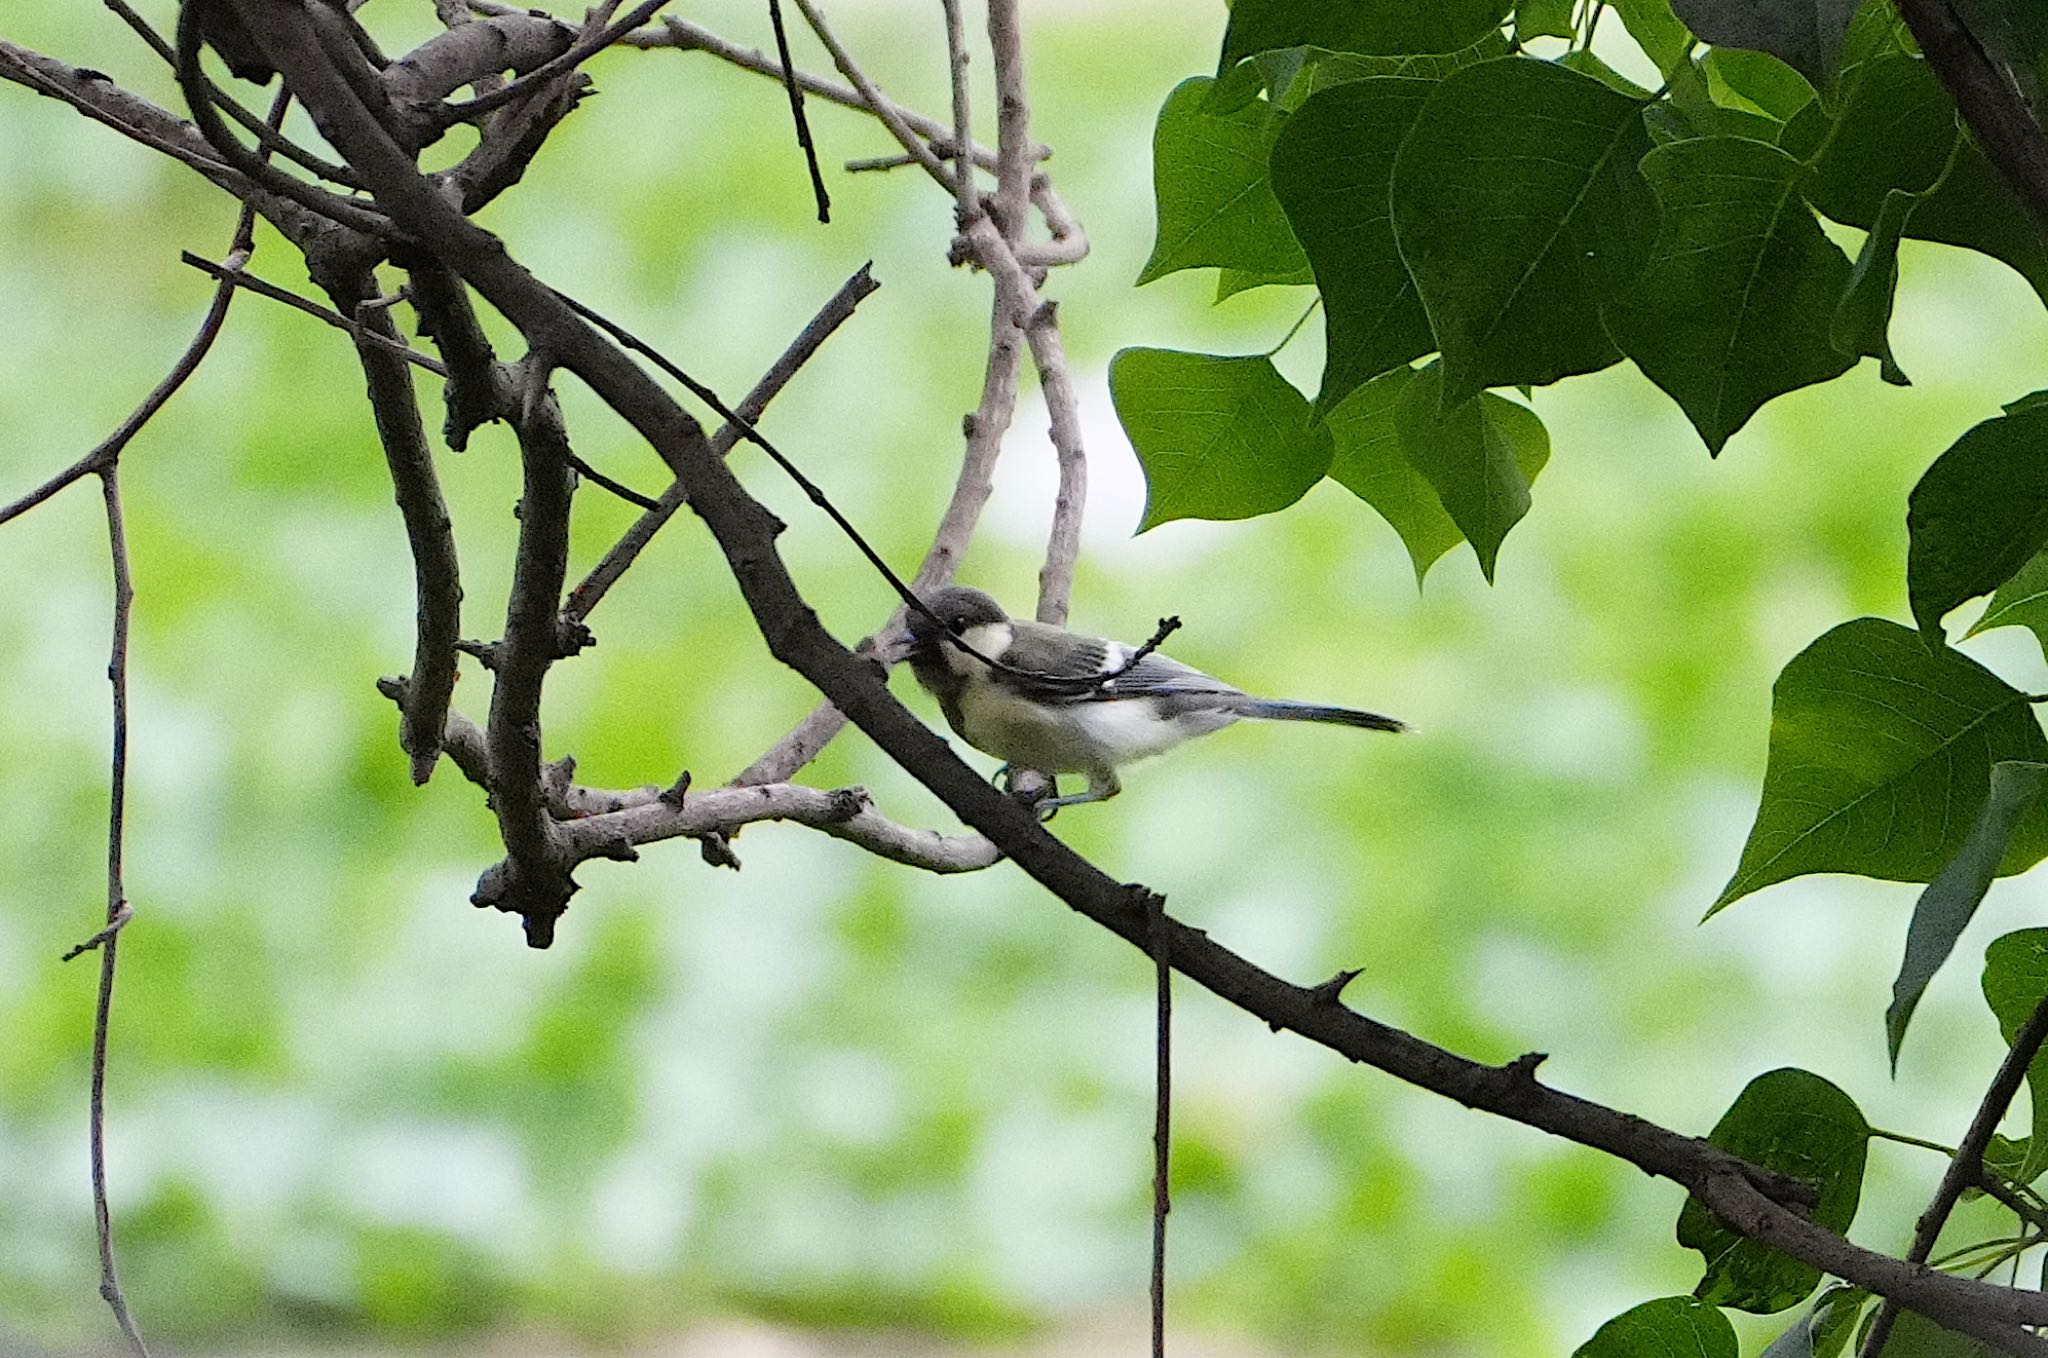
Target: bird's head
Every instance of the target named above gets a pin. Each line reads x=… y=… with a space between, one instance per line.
x=958 y=609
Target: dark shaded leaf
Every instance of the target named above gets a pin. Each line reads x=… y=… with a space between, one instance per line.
x=1806 y=35
x=1669 y=1327
x=1215 y=206
x=1897 y=129
x=1823 y=1332
x=1219 y=437
x=1375 y=27
x=1795 y=1122
x=1977 y=515
x=1958 y=889
x=2015 y=982
x=1518 y=210
x=1735 y=303
x=1692 y=111
x=1915 y=1336
x=1863 y=318
x=1880 y=759
x=1331 y=169
x=1480 y=454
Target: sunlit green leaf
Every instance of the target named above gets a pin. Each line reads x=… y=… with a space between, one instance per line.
x=1735 y=303
x=1215 y=207
x=1518 y=209
x=1978 y=514
x=2021 y=601
x=1797 y=1123
x=1669 y=1327
x=1880 y=759
x=1863 y=317
x=1376 y=27
x=1659 y=32
x=1480 y=454
x=1954 y=895
x=1331 y=169
x=1824 y=1331
x=1219 y=437
x=1897 y=128
x=1230 y=282
x=1758 y=79
x=1589 y=63
x=1292 y=75
x=1805 y=34
x=1544 y=19
x=2015 y=984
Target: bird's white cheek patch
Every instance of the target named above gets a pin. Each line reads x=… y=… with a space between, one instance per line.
x=990 y=639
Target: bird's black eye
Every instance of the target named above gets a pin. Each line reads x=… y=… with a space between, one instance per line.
x=958 y=629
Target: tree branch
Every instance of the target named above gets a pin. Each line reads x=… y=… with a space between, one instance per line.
x=2000 y=122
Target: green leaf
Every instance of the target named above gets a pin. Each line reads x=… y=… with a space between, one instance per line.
x=1660 y=33
x=1230 y=282
x=1735 y=303
x=2006 y=1157
x=1915 y=1336
x=1794 y=1122
x=1895 y=130
x=2015 y=983
x=1805 y=34
x=1543 y=19
x=1480 y=454
x=1690 y=110
x=1518 y=209
x=1209 y=179
x=2021 y=601
x=1880 y=758
x=1669 y=1327
x=1862 y=321
x=1977 y=515
x=1219 y=437
x=1331 y=169
x=1824 y=1331
x=1292 y=75
x=1958 y=889
x=1586 y=63
x=1759 y=80
x=1375 y=27
x=1370 y=463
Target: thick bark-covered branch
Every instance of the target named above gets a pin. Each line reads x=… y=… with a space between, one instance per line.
x=2006 y=131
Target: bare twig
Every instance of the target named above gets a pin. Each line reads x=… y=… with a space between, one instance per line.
x=1162 y=1117
x=1966 y=1168
x=236 y=276
x=967 y=201
x=874 y=100
x=1013 y=119
x=567 y=61
x=796 y=112
x=627 y=549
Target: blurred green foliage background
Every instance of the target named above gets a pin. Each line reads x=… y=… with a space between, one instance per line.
x=828 y=1091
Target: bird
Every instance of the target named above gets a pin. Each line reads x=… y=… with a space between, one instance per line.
x=1063 y=702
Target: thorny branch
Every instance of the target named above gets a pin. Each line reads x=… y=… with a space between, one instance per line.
x=549 y=823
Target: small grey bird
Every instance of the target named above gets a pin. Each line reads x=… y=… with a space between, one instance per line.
x=1040 y=710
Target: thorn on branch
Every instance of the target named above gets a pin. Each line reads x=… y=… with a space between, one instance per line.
x=486 y=653
x=104 y=936
x=1523 y=1067
x=672 y=795
x=571 y=638
x=717 y=850
x=1327 y=994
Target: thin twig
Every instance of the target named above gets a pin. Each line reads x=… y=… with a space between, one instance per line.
x=235 y=276
x=966 y=201
x=117 y=908
x=874 y=100
x=627 y=549
x=1013 y=119
x=1967 y=1168
x=540 y=75
x=1162 y=1117
x=796 y=113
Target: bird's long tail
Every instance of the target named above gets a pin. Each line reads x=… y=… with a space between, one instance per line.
x=1281 y=709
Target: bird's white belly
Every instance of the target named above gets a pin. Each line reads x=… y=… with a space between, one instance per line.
x=1080 y=737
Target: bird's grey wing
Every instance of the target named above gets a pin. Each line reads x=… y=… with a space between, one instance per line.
x=1066 y=657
